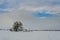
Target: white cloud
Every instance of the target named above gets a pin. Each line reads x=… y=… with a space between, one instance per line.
x=33 y=5
x=1 y=1
x=24 y=13
x=8 y=5
x=47 y=9
x=28 y=20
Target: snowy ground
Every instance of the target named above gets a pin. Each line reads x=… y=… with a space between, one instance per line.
x=36 y=35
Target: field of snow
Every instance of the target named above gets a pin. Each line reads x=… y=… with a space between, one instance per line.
x=36 y=35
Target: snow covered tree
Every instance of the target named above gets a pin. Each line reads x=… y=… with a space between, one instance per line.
x=17 y=26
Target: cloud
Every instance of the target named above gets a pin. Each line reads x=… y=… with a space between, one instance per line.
x=32 y=22
x=47 y=9
x=32 y=5
x=23 y=10
x=43 y=14
x=1 y=1
x=8 y=5
x=40 y=2
x=29 y=21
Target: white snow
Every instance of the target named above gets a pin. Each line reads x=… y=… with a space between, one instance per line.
x=36 y=35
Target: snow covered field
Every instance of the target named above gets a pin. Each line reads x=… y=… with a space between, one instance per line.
x=36 y=35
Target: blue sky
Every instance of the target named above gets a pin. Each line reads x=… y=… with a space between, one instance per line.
x=44 y=13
